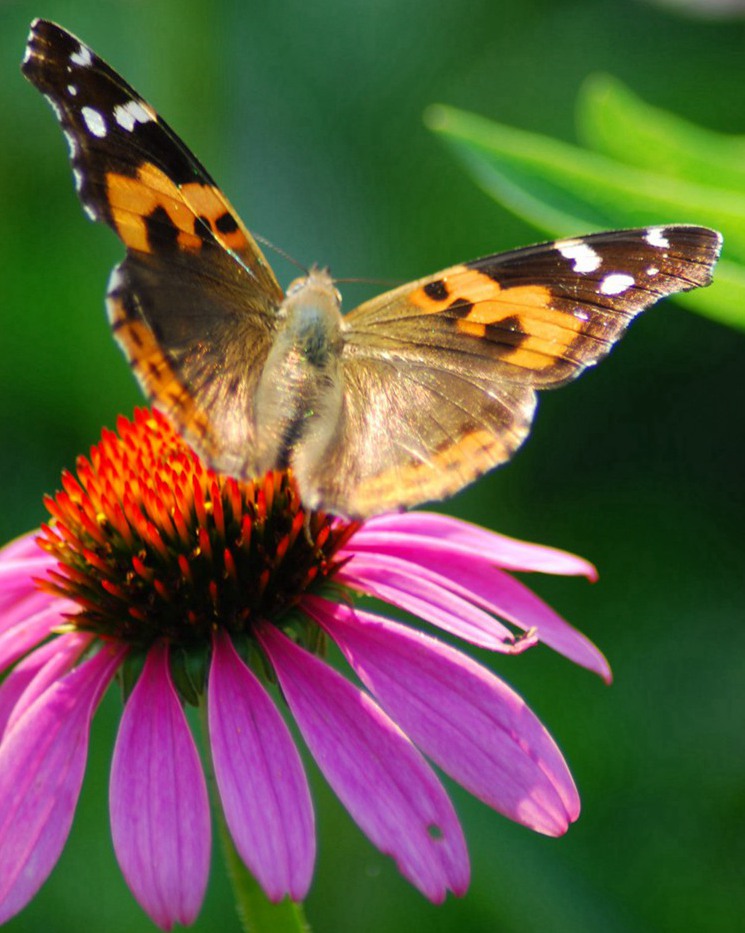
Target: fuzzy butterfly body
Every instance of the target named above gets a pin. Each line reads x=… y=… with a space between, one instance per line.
x=410 y=396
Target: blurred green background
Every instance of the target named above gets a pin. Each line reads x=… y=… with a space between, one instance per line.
x=310 y=116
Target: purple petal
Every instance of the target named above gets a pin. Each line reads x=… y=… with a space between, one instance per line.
x=430 y=596
x=29 y=679
x=160 y=819
x=391 y=533
x=42 y=760
x=263 y=788
x=496 y=592
x=377 y=773
x=469 y=722
x=28 y=631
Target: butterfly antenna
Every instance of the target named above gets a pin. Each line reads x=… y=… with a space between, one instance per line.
x=280 y=252
x=385 y=283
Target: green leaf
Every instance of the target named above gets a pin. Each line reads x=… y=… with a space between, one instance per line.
x=565 y=191
x=724 y=300
x=614 y=121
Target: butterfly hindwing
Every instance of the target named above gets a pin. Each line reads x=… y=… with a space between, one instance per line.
x=202 y=363
x=449 y=364
x=410 y=433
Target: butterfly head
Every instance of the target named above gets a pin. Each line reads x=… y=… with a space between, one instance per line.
x=318 y=279
x=312 y=297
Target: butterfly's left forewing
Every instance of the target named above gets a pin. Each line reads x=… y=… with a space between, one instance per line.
x=131 y=170
x=440 y=375
x=194 y=303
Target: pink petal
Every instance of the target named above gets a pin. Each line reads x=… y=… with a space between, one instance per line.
x=426 y=594
x=31 y=677
x=512 y=600
x=160 y=819
x=263 y=788
x=23 y=568
x=469 y=722
x=28 y=631
x=377 y=773
x=17 y=575
x=24 y=546
x=42 y=760
x=393 y=532
x=496 y=592
x=20 y=598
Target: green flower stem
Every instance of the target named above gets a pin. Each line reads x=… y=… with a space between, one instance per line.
x=255 y=912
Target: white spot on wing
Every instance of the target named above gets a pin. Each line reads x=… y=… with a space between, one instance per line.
x=652 y=270
x=89 y=211
x=584 y=257
x=116 y=280
x=127 y=115
x=72 y=90
x=27 y=53
x=655 y=236
x=582 y=315
x=58 y=112
x=94 y=121
x=616 y=283
x=78 y=176
x=72 y=143
x=82 y=57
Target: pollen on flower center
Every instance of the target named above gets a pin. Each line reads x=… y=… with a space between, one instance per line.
x=152 y=544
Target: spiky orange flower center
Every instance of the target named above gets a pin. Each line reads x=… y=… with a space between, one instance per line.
x=152 y=544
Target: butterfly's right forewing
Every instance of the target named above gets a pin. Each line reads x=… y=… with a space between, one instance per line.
x=440 y=375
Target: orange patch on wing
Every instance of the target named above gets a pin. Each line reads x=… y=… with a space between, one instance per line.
x=436 y=294
x=529 y=301
x=444 y=473
x=209 y=203
x=134 y=199
x=544 y=333
x=155 y=373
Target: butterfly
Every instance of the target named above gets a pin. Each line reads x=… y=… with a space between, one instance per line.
x=407 y=398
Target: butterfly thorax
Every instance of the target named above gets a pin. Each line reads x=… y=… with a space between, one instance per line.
x=299 y=397
x=310 y=316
